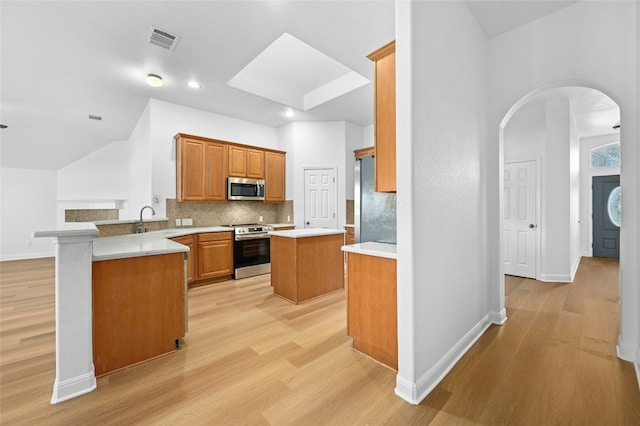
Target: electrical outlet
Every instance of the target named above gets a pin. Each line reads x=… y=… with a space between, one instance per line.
x=260 y=218
x=288 y=219
x=178 y=222
x=187 y=222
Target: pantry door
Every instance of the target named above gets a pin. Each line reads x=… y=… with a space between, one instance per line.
x=520 y=224
x=320 y=198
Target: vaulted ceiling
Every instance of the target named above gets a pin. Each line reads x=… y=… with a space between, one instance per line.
x=62 y=61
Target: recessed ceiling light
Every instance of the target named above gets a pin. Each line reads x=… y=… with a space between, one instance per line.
x=289 y=113
x=154 y=80
x=194 y=84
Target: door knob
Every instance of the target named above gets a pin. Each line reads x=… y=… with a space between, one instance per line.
x=531 y=225
x=308 y=223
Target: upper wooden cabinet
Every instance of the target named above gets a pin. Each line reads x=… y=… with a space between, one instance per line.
x=201 y=169
x=203 y=165
x=384 y=60
x=246 y=162
x=275 y=177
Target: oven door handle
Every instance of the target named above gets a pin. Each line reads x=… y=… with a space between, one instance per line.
x=252 y=237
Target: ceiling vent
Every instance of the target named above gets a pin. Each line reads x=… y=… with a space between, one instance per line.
x=163 y=38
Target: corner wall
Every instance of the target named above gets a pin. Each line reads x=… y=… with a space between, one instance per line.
x=27 y=204
x=441 y=110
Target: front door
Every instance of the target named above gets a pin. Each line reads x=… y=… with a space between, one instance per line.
x=520 y=219
x=320 y=198
x=606 y=216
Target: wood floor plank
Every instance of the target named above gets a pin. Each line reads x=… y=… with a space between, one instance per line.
x=251 y=358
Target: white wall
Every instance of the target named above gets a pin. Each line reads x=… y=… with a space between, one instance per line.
x=442 y=285
x=586 y=178
x=144 y=165
x=169 y=119
x=574 y=197
x=544 y=130
x=139 y=172
x=354 y=140
x=101 y=175
x=314 y=144
x=573 y=47
x=27 y=204
x=555 y=186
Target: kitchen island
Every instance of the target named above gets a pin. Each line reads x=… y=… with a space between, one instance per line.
x=306 y=263
x=372 y=300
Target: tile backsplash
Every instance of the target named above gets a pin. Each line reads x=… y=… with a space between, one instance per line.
x=231 y=212
x=206 y=214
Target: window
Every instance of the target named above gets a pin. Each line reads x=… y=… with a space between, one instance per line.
x=606 y=156
x=614 y=207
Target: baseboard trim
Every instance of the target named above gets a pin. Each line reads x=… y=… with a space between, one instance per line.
x=414 y=393
x=73 y=387
x=625 y=352
x=498 y=318
x=556 y=278
x=637 y=366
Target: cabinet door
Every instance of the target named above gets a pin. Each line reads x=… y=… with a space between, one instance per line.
x=275 y=177
x=215 y=255
x=255 y=163
x=385 y=117
x=216 y=174
x=190 y=167
x=187 y=240
x=237 y=161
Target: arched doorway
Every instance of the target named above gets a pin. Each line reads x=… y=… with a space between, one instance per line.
x=583 y=216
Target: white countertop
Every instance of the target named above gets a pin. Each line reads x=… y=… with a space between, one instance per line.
x=373 y=249
x=282 y=225
x=304 y=233
x=349 y=225
x=146 y=244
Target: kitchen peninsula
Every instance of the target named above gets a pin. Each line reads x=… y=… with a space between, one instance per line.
x=306 y=263
x=372 y=301
x=139 y=299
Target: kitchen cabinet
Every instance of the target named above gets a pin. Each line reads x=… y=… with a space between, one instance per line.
x=384 y=60
x=188 y=240
x=306 y=263
x=215 y=255
x=201 y=169
x=138 y=309
x=372 y=307
x=275 y=177
x=350 y=237
x=246 y=162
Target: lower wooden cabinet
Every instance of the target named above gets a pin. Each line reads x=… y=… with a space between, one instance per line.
x=188 y=240
x=349 y=237
x=138 y=309
x=215 y=255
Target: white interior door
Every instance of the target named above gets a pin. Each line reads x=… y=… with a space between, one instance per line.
x=320 y=198
x=520 y=225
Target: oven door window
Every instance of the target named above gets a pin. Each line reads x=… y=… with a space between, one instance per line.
x=251 y=252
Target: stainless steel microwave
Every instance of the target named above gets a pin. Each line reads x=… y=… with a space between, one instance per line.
x=245 y=189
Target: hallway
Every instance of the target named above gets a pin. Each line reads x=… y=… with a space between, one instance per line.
x=553 y=361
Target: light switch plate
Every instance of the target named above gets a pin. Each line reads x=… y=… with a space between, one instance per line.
x=178 y=222
x=260 y=218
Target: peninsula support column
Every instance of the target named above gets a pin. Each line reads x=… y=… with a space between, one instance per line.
x=75 y=374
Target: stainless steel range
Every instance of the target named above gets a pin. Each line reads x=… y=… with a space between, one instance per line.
x=251 y=250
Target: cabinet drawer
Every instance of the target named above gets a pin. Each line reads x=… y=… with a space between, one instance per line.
x=215 y=236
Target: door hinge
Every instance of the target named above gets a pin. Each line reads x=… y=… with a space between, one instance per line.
x=334 y=180
x=334 y=215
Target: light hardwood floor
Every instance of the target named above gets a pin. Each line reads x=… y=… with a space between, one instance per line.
x=252 y=358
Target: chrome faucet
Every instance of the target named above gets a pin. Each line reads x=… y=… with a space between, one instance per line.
x=140 y=227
